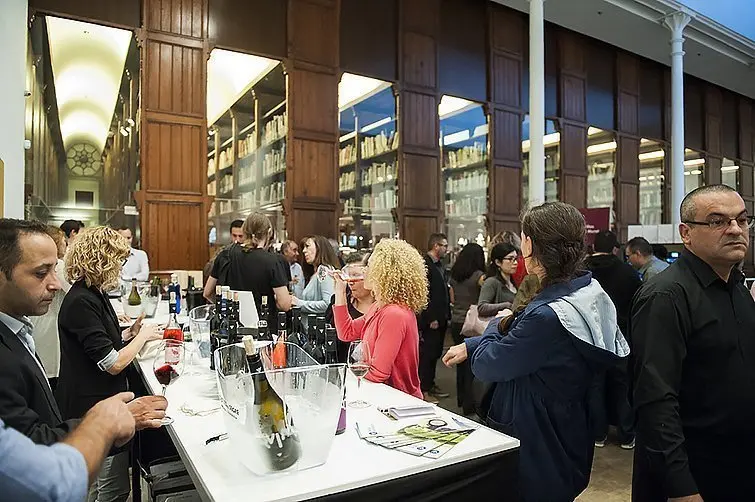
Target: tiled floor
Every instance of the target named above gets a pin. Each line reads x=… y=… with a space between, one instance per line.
x=612 y=467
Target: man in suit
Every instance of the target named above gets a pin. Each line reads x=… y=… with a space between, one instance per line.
x=433 y=321
x=27 y=286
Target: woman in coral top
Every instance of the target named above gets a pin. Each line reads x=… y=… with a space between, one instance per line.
x=397 y=276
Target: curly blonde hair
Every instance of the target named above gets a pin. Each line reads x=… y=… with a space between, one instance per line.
x=97 y=257
x=399 y=272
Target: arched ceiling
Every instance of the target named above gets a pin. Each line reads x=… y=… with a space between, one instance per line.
x=87 y=64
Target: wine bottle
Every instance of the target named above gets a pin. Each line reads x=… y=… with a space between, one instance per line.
x=331 y=357
x=134 y=300
x=295 y=335
x=309 y=347
x=214 y=325
x=318 y=353
x=154 y=288
x=279 y=352
x=275 y=422
x=237 y=310
x=175 y=286
x=225 y=319
x=263 y=327
x=173 y=330
x=233 y=318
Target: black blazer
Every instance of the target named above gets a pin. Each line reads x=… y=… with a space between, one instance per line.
x=26 y=402
x=88 y=328
x=438 y=299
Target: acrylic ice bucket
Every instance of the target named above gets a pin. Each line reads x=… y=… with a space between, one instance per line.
x=313 y=395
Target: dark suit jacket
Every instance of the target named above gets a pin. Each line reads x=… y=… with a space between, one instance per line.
x=89 y=331
x=26 y=402
x=438 y=301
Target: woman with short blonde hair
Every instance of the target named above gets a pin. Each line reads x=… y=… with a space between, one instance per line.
x=94 y=352
x=397 y=275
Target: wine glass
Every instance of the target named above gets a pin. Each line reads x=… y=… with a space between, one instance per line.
x=359 y=364
x=168 y=366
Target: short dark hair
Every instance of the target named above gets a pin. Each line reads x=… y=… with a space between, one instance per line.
x=236 y=224
x=660 y=251
x=435 y=239
x=605 y=242
x=354 y=257
x=70 y=226
x=640 y=245
x=10 y=233
x=688 y=209
x=123 y=227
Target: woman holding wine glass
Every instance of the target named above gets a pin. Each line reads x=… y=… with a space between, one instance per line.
x=94 y=350
x=358 y=298
x=397 y=276
x=319 y=254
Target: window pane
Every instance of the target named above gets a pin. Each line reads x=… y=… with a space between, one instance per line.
x=368 y=160
x=730 y=173
x=652 y=163
x=464 y=142
x=601 y=167
x=552 y=141
x=694 y=166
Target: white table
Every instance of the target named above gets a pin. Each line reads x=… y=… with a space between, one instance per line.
x=353 y=463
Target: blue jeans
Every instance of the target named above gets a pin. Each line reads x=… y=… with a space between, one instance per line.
x=113 y=483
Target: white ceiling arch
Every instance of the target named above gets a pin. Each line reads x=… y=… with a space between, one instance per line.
x=87 y=64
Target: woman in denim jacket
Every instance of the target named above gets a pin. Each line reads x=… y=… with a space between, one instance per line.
x=543 y=359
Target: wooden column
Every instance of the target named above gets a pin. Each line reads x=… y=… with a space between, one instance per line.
x=572 y=186
x=712 y=131
x=173 y=202
x=508 y=36
x=627 y=179
x=312 y=198
x=420 y=206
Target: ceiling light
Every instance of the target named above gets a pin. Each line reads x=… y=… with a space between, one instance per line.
x=87 y=62
x=230 y=75
x=592 y=131
x=130 y=122
x=548 y=140
x=694 y=162
x=656 y=154
x=375 y=125
x=450 y=105
x=601 y=148
x=124 y=131
x=353 y=89
x=728 y=169
x=696 y=172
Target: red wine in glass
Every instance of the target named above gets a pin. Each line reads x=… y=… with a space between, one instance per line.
x=166 y=374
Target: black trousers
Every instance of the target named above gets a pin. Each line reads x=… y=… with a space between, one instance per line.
x=430 y=350
x=465 y=396
x=609 y=403
x=723 y=469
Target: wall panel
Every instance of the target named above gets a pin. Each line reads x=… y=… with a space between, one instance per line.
x=251 y=26
x=419 y=112
x=419 y=60
x=322 y=186
x=123 y=13
x=462 y=53
x=171 y=233
x=175 y=79
x=369 y=38
x=417 y=186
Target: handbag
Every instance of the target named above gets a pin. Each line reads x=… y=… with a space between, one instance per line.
x=474 y=325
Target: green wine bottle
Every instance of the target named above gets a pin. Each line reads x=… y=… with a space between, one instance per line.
x=134 y=300
x=275 y=422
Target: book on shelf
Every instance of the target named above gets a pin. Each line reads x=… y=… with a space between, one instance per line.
x=379 y=144
x=347 y=155
x=379 y=172
x=466 y=156
x=347 y=181
x=275 y=129
x=226 y=158
x=274 y=161
x=467 y=182
x=467 y=207
x=385 y=199
x=247 y=146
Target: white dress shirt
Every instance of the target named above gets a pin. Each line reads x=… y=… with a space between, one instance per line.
x=136 y=267
x=297 y=276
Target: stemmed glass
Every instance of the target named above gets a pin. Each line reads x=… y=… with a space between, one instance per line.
x=360 y=362
x=168 y=366
x=349 y=273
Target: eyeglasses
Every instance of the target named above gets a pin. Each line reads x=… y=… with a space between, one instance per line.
x=512 y=259
x=745 y=222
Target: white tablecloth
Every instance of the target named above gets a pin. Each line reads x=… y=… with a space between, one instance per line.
x=352 y=462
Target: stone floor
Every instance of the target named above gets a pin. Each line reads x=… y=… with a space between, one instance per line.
x=612 y=467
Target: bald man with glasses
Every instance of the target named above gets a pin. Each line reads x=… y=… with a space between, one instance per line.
x=693 y=329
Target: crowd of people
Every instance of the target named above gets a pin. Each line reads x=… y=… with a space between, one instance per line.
x=571 y=343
